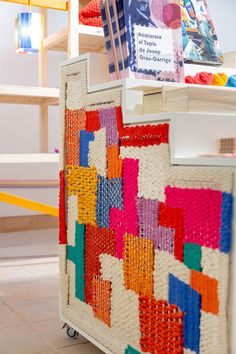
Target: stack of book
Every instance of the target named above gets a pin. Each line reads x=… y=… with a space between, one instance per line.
x=143 y=39
x=204 y=99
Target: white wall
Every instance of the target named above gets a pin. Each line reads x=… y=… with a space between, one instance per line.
x=223 y=13
x=19 y=124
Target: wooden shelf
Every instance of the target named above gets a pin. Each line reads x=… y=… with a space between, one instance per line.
x=91 y=39
x=29 y=95
x=29 y=183
x=29 y=158
x=205 y=161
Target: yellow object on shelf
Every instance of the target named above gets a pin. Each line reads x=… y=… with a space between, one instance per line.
x=49 y=4
x=29 y=204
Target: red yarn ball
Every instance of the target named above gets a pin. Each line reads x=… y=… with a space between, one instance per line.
x=171 y=15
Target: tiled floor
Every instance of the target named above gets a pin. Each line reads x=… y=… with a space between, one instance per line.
x=29 y=293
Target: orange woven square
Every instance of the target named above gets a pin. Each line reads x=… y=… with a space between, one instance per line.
x=101 y=302
x=82 y=181
x=138 y=264
x=74 y=122
x=208 y=288
x=114 y=162
x=161 y=326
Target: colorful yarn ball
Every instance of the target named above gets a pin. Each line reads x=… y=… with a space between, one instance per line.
x=232 y=81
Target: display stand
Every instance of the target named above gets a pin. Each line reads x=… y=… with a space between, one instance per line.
x=117 y=280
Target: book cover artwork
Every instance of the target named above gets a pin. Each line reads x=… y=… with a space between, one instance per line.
x=200 y=42
x=154 y=39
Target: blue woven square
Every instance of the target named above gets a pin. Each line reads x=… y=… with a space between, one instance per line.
x=189 y=301
x=85 y=138
x=226 y=223
x=109 y=195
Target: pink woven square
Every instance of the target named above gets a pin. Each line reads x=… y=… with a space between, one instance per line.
x=202 y=214
x=126 y=220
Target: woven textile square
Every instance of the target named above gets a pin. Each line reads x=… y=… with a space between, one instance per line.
x=101 y=301
x=173 y=218
x=83 y=182
x=108 y=120
x=97 y=242
x=226 y=226
x=126 y=220
x=139 y=265
x=74 y=122
x=85 y=139
x=147 y=215
x=161 y=326
x=145 y=135
x=144 y=245
x=202 y=214
x=188 y=301
x=62 y=210
x=109 y=195
x=208 y=288
x=130 y=350
x=76 y=255
x=114 y=162
x=192 y=256
x=92 y=121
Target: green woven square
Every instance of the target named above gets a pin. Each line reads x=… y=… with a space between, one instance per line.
x=76 y=255
x=130 y=350
x=192 y=256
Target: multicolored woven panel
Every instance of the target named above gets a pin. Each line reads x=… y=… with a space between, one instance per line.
x=146 y=265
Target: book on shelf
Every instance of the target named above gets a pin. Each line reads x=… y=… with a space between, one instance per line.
x=200 y=41
x=143 y=39
x=193 y=99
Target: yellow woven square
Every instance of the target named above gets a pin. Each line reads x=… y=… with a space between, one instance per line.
x=82 y=181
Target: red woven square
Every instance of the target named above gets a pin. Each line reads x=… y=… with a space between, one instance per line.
x=102 y=299
x=161 y=326
x=119 y=119
x=138 y=264
x=145 y=135
x=173 y=218
x=97 y=241
x=74 y=122
x=62 y=210
x=92 y=121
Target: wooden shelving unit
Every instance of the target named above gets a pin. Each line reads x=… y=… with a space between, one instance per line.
x=29 y=95
x=90 y=39
x=74 y=39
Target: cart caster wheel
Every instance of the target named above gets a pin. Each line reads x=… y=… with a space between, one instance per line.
x=71 y=332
